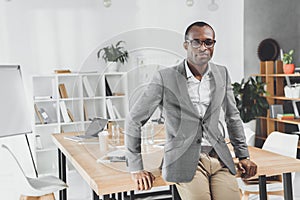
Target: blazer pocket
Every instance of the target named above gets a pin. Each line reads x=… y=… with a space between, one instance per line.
x=173 y=144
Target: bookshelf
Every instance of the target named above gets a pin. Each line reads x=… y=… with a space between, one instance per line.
x=272 y=74
x=84 y=97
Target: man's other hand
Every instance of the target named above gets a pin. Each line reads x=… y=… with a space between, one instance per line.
x=247 y=167
x=143 y=180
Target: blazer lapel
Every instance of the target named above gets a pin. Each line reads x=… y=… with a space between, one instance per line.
x=183 y=89
x=216 y=88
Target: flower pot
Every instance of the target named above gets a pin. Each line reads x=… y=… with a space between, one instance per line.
x=113 y=66
x=289 y=68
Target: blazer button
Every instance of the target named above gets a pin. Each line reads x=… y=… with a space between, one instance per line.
x=198 y=141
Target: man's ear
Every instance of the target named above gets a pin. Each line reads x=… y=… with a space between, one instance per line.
x=185 y=45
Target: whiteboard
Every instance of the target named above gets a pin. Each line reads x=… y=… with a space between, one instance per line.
x=14 y=113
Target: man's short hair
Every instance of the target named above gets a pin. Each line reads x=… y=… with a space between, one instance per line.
x=200 y=24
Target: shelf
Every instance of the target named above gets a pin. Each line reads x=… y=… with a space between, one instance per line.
x=44 y=100
x=283 y=98
x=295 y=121
x=87 y=99
x=46 y=125
x=93 y=98
x=115 y=97
x=277 y=75
x=70 y=99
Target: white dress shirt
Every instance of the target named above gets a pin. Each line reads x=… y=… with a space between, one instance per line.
x=200 y=94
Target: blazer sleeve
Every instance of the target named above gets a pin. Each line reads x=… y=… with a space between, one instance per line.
x=138 y=115
x=234 y=122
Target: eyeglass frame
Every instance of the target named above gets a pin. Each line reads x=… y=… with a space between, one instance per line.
x=201 y=42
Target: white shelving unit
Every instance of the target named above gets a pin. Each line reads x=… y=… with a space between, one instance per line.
x=82 y=107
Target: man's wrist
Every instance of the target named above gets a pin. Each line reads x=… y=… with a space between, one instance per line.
x=243 y=158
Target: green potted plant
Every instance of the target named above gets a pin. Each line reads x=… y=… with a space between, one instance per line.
x=113 y=55
x=288 y=67
x=249 y=98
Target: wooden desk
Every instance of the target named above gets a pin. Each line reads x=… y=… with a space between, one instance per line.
x=105 y=180
x=274 y=164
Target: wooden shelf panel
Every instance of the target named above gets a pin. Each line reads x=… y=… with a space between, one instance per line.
x=277 y=75
x=283 y=98
x=295 y=121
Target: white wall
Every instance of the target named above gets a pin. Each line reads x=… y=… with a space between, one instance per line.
x=42 y=35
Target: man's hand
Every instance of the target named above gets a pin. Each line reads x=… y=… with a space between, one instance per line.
x=247 y=167
x=143 y=180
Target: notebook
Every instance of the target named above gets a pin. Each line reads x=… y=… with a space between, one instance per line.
x=97 y=125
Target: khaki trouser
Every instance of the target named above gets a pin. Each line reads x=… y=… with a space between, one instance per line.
x=212 y=181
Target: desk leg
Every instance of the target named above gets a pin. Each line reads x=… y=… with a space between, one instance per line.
x=175 y=194
x=62 y=173
x=287 y=186
x=95 y=196
x=131 y=195
x=262 y=187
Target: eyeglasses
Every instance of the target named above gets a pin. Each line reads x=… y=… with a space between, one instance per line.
x=208 y=43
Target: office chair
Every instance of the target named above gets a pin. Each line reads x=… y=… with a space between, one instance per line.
x=41 y=188
x=280 y=143
x=250 y=136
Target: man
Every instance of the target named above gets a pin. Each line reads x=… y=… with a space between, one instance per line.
x=196 y=156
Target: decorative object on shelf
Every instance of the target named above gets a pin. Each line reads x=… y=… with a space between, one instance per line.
x=38 y=142
x=292 y=91
x=276 y=109
x=249 y=98
x=45 y=116
x=113 y=55
x=268 y=49
x=288 y=67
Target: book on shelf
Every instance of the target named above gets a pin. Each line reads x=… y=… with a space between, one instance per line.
x=107 y=88
x=118 y=94
x=70 y=115
x=62 y=90
x=110 y=109
x=117 y=113
x=62 y=71
x=276 y=109
x=64 y=111
x=85 y=113
x=88 y=87
x=37 y=112
x=287 y=116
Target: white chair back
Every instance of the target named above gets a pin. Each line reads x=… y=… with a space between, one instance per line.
x=34 y=186
x=282 y=143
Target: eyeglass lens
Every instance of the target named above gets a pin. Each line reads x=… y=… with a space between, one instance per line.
x=208 y=43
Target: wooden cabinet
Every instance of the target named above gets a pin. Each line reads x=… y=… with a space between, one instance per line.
x=85 y=97
x=272 y=74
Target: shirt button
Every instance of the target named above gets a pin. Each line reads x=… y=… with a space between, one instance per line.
x=198 y=141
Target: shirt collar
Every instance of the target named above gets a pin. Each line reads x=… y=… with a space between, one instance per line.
x=189 y=74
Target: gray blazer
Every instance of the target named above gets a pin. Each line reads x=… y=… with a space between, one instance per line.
x=183 y=124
